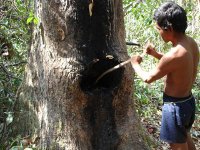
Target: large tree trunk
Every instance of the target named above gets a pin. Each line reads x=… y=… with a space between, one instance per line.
x=62 y=106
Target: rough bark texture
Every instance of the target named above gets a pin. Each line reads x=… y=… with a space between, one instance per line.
x=61 y=106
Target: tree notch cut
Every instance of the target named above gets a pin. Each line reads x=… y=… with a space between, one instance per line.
x=93 y=71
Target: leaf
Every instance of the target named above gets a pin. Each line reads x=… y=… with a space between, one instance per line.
x=18 y=2
x=29 y=20
x=35 y=20
x=31 y=14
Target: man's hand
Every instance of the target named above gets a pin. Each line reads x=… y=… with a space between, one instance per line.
x=150 y=49
x=135 y=62
x=136 y=59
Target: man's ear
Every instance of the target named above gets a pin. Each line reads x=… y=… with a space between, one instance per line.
x=170 y=28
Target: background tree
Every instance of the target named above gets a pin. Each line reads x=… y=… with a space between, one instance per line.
x=59 y=103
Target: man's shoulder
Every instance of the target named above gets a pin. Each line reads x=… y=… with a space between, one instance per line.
x=178 y=51
x=172 y=57
x=171 y=54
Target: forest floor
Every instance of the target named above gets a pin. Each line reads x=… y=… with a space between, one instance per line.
x=152 y=125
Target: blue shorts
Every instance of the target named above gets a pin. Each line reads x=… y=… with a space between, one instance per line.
x=178 y=115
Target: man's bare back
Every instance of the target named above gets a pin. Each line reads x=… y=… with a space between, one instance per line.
x=184 y=57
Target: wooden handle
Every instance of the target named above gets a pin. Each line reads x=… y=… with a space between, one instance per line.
x=116 y=67
x=113 y=68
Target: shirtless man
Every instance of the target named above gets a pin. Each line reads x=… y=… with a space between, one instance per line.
x=179 y=65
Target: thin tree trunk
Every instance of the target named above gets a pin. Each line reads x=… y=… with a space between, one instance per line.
x=61 y=107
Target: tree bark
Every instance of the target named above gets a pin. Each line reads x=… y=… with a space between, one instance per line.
x=59 y=106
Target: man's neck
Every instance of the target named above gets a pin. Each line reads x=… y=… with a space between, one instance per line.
x=178 y=38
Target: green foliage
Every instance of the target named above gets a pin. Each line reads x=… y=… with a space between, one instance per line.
x=14 y=38
x=140 y=27
x=32 y=18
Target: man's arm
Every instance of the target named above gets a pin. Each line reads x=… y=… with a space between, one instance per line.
x=150 y=49
x=148 y=77
x=165 y=66
x=158 y=55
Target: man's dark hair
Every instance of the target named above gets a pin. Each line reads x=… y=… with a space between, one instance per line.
x=172 y=15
